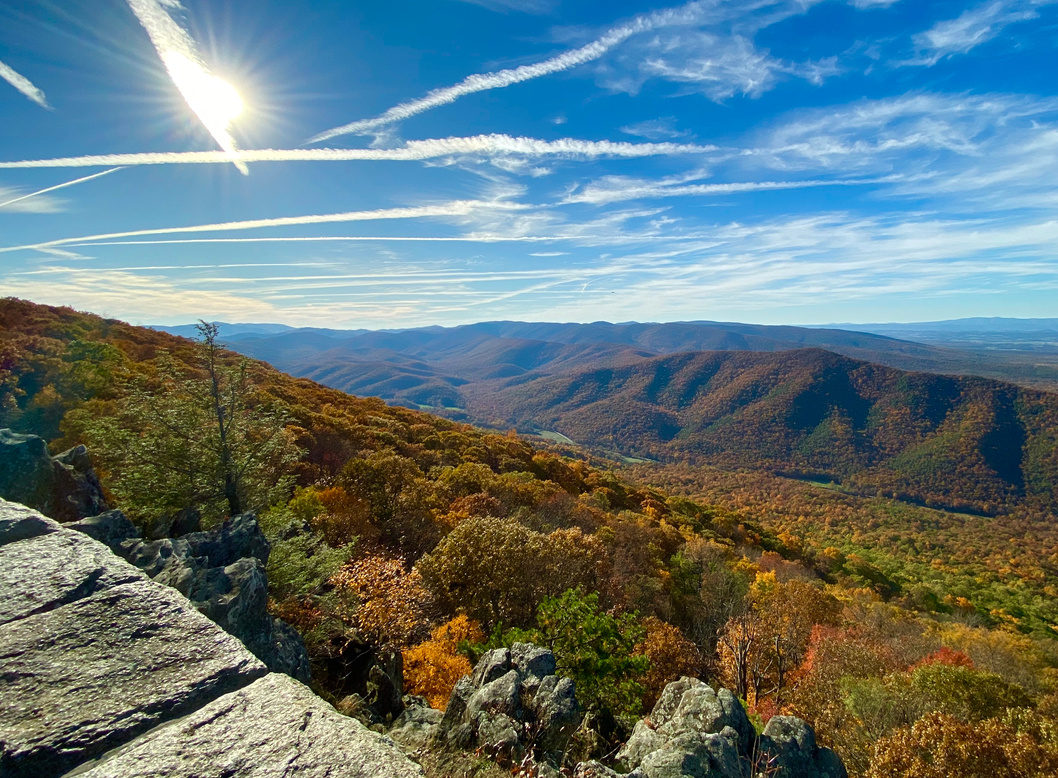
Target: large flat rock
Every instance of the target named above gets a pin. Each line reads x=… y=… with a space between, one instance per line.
x=93 y=674
x=17 y=522
x=42 y=573
x=273 y=728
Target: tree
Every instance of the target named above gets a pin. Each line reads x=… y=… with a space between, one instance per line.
x=497 y=570
x=939 y=746
x=393 y=605
x=433 y=667
x=202 y=437
x=595 y=649
x=671 y=656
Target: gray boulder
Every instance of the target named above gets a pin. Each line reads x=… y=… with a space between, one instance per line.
x=687 y=707
x=111 y=528
x=791 y=742
x=272 y=728
x=64 y=487
x=415 y=727
x=222 y=572
x=694 y=754
x=177 y=524
x=696 y=731
x=513 y=702
x=93 y=674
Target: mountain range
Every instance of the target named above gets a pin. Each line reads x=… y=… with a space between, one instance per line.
x=874 y=413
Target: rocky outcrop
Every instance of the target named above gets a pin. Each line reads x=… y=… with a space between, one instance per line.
x=222 y=572
x=696 y=731
x=63 y=487
x=273 y=727
x=512 y=703
x=100 y=662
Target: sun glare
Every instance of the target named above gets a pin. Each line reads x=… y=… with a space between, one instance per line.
x=216 y=102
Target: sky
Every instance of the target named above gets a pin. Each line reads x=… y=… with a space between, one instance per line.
x=417 y=162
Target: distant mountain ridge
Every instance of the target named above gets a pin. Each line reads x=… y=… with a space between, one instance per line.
x=827 y=403
x=962 y=442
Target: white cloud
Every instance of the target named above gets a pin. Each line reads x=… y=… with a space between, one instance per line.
x=16 y=201
x=718 y=67
x=715 y=64
x=882 y=135
x=523 y=6
x=663 y=128
x=617 y=189
x=23 y=85
x=864 y=5
x=142 y=298
x=971 y=28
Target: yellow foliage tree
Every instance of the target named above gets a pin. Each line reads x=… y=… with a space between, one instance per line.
x=940 y=746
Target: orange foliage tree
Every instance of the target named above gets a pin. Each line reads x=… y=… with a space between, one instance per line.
x=760 y=649
x=671 y=656
x=432 y=668
x=393 y=605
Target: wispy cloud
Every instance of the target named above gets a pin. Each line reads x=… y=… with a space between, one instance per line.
x=480 y=82
x=22 y=198
x=883 y=134
x=523 y=6
x=139 y=297
x=717 y=65
x=450 y=209
x=663 y=128
x=868 y=4
x=212 y=99
x=415 y=150
x=972 y=28
x=16 y=202
x=23 y=85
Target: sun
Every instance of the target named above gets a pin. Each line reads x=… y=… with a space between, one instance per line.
x=216 y=102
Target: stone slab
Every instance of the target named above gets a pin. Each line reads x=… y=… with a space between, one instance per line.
x=275 y=727
x=17 y=522
x=42 y=573
x=94 y=674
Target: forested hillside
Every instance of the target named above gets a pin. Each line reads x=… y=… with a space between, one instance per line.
x=394 y=527
x=959 y=442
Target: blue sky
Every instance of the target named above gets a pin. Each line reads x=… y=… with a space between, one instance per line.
x=444 y=161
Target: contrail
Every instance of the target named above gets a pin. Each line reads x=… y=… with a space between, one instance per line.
x=480 y=82
x=452 y=208
x=23 y=85
x=339 y=238
x=213 y=100
x=605 y=196
x=58 y=186
x=410 y=151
